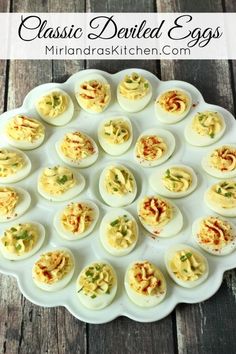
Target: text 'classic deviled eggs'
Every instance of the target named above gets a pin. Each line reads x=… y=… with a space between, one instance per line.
x=115 y=135
x=186 y=266
x=160 y=217
x=14 y=165
x=145 y=284
x=60 y=183
x=24 y=132
x=76 y=220
x=205 y=128
x=215 y=235
x=118 y=232
x=93 y=93
x=77 y=149
x=14 y=202
x=174 y=181
x=97 y=285
x=173 y=105
x=134 y=92
x=153 y=147
x=21 y=241
x=117 y=186
x=54 y=269
x=221 y=198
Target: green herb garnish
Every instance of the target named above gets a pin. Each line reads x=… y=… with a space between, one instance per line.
x=62 y=180
x=212 y=135
x=18 y=247
x=93 y=296
x=146 y=85
x=185 y=257
x=114 y=223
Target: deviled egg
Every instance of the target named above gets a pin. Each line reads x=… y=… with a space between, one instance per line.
x=186 y=266
x=55 y=107
x=115 y=135
x=173 y=105
x=77 y=149
x=76 y=220
x=221 y=198
x=97 y=285
x=215 y=235
x=145 y=284
x=60 y=183
x=174 y=181
x=221 y=161
x=14 y=202
x=134 y=92
x=22 y=240
x=93 y=93
x=153 y=147
x=117 y=186
x=14 y=165
x=205 y=128
x=159 y=217
x=118 y=232
x=54 y=269
x=24 y=132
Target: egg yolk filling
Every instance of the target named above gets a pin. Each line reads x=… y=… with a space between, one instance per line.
x=177 y=179
x=116 y=131
x=223 y=194
x=20 y=239
x=223 y=158
x=174 y=102
x=94 y=95
x=52 y=266
x=119 y=181
x=77 y=217
x=207 y=123
x=187 y=266
x=77 y=146
x=96 y=280
x=134 y=87
x=22 y=128
x=155 y=211
x=11 y=162
x=121 y=232
x=57 y=180
x=8 y=200
x=150 y=148
x=53 y=104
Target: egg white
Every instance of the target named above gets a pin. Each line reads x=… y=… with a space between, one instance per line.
x=107 y=219
x=21 y=174
x=90 y=77
x=169 y=255
x=60 y=284
x=64 y=117
x=229 y=248
x=169 y=118
x=167 y=137
x=113 y=200
x=139 y=299
x=172 y=228
x=76 y=236
x=230 y=212
x=37 y=246
x=114 y=149
x=157 y=185
x=21 y=207
x=100 y=301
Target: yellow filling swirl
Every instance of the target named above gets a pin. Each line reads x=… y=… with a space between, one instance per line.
x=94 y=95
x=150 y=148
x=155 y=211
x=11 y=162
x=119 y=181
x=8 y=200
x=177 y=179
x=77 y=146
x=53 y=104
x=207 y=123
x=134 y=87
x=223 y=158
x=187 y=266
x=22 y=128
x=121 y=232
x=175 y=102
x=116 y=131
x=57 y=180
x=223 y=194
x=77 y=217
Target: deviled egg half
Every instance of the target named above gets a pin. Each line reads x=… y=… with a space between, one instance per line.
x=174 y=181
x=97 y=285
x=14 y=202
x=54 y=269
x=115 y=135
x=159 y=216
x=173 y=105
x=215 y=235
x=117 y=186
x=76 y=220
x=24 y=132
x=22 y=240
x=93 y=93
x=186 y=266
x=77 y=149
x=153 y=147
x=221 y=161
x=55 y=107
x=221 y=198
x=205 y=128
x=118 y=232
x=145 y=284
x=14 y=165
x=134 y=92
x=60 y=183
